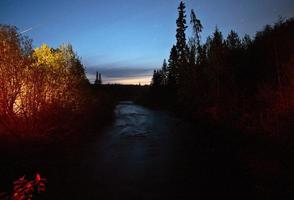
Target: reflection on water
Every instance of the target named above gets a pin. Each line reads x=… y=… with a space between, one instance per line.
x=131 y=120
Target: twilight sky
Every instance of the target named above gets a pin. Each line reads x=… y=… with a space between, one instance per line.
x=126 y=39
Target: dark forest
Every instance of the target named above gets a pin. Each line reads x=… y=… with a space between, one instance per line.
x=216 y=120
x=246 y=82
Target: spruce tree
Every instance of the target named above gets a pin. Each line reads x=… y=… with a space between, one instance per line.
x=197 y=29
x=233 y=41
x=164 y=72
x=181 y=36
x=172 y=78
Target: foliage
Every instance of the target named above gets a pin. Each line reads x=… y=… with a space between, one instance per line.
x=230 y=78
x=181 y=36
x=24 y=189
x=14 y=61
x=36 y=84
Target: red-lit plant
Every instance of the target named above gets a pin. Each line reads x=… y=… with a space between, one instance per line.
x=24 y=189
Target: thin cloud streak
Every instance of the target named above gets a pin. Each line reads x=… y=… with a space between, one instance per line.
x=31 y=28
x=27 y=30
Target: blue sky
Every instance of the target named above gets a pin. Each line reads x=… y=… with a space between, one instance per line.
x=125 y=40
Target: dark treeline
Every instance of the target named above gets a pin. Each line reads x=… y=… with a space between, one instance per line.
x=245 y=81
x=119 y=92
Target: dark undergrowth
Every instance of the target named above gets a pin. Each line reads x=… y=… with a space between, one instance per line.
x=262 y=162
x=51 y=154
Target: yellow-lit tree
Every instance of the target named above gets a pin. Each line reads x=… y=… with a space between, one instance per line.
x=36 y=83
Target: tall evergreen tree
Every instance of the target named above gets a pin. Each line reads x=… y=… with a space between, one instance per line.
x=172 y=79
x=192 y=51
x=181 y=36
x=202 y=57
x=233 y=41
x=164 y=71
x=156 y=79
x=215 y=58
x=246 y=41
x=183 y=69
x=197 y=29
x=215 y=47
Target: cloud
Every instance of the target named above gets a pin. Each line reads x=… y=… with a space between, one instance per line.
x=143 y=80
x=122 y=75
x=133 y=70
x=119 y=72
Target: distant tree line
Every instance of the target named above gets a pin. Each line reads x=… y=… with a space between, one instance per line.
x=247 y=81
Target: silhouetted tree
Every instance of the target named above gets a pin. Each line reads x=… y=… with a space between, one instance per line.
x=195 y=44
x=98 y=80
x=164 y=71
x=243 y=78
x=181 y=36
x=173 y=78
x=215 y=65
x=246 y=41
x=192 y=52
x=184 y=70
x=233 y=41
x=156 y=79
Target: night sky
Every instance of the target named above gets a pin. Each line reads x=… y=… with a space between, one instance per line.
x=125 y=40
